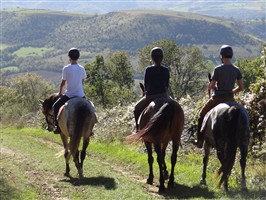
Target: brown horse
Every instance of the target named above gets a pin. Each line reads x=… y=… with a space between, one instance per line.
x=76 y=119
x=161 y=122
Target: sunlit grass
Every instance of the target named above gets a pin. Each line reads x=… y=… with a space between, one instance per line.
x=31 y=51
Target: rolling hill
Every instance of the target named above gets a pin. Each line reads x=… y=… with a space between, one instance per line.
x=121 y=30
x=239 y=9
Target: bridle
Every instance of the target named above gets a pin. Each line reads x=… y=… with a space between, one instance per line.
x=49 y=118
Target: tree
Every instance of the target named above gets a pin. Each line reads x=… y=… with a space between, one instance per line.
x=120 y=69
x=20 y=95
x=110 y=83
x=188 y=69
x=189 y=72
x=98 y=81
x=251 y=70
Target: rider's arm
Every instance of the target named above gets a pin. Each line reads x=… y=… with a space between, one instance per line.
x=240 y=86
x=212 y=85
x=62 y=85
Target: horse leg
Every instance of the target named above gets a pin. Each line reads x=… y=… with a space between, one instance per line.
x=83 y=153
x=77 y=164
x=175 y=147
x=205 y=163
x=150 y=161
x=243 y=151
x=164 y=167
x=66 y=154
x=160 y=163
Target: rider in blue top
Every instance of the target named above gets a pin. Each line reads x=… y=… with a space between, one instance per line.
x=156 y=82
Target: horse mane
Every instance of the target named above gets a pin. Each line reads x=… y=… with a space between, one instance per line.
x=48 y=103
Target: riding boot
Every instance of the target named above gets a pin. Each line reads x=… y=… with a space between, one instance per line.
x=136 y=116
x=200 y=136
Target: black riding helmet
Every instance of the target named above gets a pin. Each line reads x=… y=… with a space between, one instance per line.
x=157 y=54
x=73 y=53
x=226 y=51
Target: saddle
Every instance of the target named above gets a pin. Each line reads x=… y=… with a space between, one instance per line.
x=206 y=117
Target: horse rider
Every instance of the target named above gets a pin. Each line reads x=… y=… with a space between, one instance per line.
x=73 y=76
x=156 y=83
x=223 y=84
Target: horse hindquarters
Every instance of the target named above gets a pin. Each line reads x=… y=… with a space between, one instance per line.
x=231 y=135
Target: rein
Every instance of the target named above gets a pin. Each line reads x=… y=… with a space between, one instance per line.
x=51 y=117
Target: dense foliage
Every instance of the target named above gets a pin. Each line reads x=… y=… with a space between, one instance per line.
x=110 y=86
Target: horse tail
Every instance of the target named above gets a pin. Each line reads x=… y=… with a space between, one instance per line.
x=159 y=122
x=231 y=138
x=80 y=117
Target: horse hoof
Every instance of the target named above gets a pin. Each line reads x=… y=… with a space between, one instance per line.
x=149 y=181
x=67 y=175
x=162 y=190
x=202 y=182
x=170 y=184
x=244 y=189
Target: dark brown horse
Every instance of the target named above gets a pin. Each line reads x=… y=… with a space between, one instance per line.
x=161 y=122
x=226 y=127
x=76 y=120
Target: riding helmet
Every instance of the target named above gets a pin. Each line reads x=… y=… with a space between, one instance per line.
x=157 y=53
x=226 y=51
x=73 y=53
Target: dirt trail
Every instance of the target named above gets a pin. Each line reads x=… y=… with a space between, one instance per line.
x=45 y=182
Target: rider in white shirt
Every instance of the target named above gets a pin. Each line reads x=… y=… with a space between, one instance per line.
x=73 y=76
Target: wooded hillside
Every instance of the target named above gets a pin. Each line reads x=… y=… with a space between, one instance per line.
x=125 y=30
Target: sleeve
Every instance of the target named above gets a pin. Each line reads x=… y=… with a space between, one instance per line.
x=64 y=74
x=145 y=80
x=167 y=78
x=214 y=75
x=84 y=73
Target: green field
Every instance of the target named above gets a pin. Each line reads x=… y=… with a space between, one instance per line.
x=31 y=170
x=31 y=51
x=10 y=69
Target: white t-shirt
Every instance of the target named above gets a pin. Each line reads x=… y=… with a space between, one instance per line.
x=74 y=74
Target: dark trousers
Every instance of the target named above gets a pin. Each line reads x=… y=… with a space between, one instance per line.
x=57 y=105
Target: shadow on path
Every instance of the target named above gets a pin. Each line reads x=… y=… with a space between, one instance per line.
x=108 y=183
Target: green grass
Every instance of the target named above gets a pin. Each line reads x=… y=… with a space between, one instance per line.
x=31 y=169
x=30 y=51
x=4 y=46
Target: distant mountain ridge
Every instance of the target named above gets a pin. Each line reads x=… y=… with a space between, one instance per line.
x=38 y=40
x=240 y=9
x=122 y=30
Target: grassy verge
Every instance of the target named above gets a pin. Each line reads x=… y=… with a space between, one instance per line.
x=30 y=170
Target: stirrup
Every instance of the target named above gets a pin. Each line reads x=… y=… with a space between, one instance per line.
x=57 y=130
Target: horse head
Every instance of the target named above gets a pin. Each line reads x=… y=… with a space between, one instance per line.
x=47 y=110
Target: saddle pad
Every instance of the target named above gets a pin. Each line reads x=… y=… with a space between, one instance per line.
x=206 y=117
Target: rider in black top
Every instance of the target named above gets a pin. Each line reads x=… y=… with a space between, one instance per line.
x=156 y=82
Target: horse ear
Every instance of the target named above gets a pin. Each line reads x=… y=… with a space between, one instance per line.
x=209 y=77
x=141 y=87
